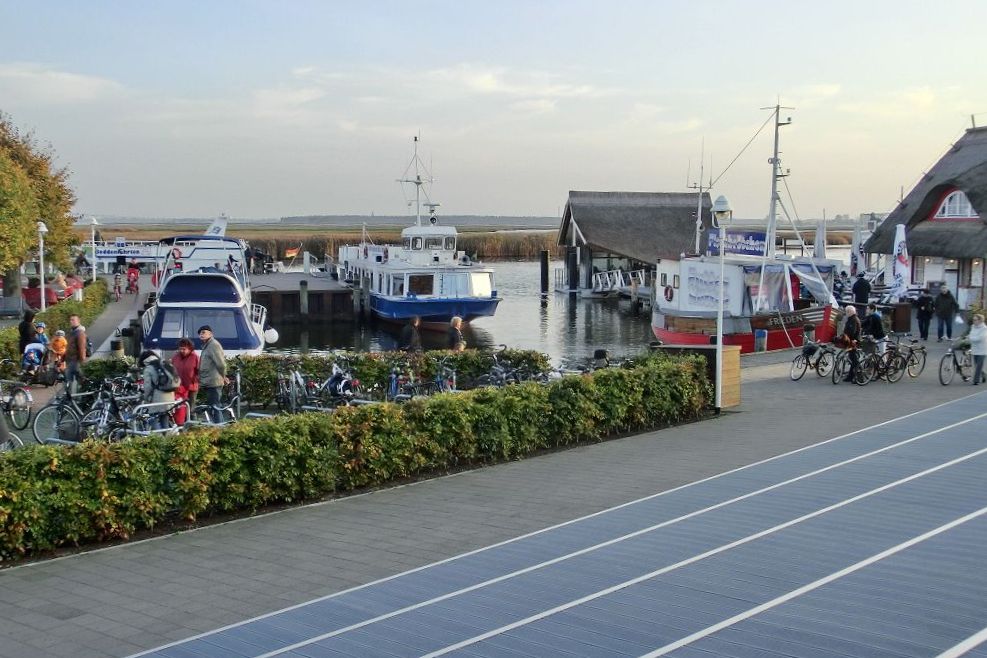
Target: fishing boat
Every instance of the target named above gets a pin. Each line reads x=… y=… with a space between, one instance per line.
x=202 y=280
x=427 y=275
x=770 y=301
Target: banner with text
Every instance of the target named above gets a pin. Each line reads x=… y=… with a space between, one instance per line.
x=747 y=243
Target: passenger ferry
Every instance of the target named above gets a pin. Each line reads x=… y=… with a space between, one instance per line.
x=203 y=281
x=426 y=275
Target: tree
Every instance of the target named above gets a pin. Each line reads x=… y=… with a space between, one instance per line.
x=53 y=201
x=18 y=214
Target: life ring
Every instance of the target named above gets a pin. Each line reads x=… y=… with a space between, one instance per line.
x=385 y=254
x=669 y=293
x=176 y=253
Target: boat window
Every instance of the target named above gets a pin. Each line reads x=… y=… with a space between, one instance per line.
x=451 y=244
x=455 y=285
x=482 y=284
x=407 y=243
x=420 y=284
x=397 y=286
x=416 y=243
x=171 y=323
x=222 y=322
x=433 y=243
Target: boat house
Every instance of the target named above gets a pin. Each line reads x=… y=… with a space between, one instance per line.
x=945 y=218
x=614 y=239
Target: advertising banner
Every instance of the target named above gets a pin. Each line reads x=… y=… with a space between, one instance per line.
x=748 y=243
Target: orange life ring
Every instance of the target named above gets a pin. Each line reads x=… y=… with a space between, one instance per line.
x=669 y=293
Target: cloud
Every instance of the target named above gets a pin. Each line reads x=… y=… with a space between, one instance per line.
x=906 y=103
x=37 y=84
x=534 y=106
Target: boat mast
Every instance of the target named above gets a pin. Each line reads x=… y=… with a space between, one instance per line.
x=418 y=181
x=699 y=203
x=776 y=174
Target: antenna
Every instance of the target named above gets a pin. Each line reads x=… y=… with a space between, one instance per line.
x=699 y=188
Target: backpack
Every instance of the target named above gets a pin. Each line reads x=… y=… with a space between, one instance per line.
x=89 y=347
x=166 y=378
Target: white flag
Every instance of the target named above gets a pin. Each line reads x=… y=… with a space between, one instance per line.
x=902 y=267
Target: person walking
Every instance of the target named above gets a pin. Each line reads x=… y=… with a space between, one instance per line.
x=925 y=307
x=411 y=336
x=851 y=333
x=946 y=308
x=75 y=352
x=186 y=362
x=456 y=341
x=978 y=347
x=212 y=370
x=26 y=332
x=861 y=290
x=159 y=386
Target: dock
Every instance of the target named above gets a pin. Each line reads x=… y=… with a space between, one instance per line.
x=301 y=297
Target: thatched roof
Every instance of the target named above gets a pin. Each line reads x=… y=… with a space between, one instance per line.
x=644 y=226
x=963 y=167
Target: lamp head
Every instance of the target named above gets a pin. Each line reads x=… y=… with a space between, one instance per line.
x=721 y=210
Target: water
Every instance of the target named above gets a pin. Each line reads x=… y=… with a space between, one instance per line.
x=566 y=329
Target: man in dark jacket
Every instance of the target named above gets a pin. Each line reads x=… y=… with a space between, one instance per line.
x=873 y=325
x=946 y=308
x=411 y=337
x=851 y=332
x=861 y=290
x=924 y=306
x=26 y=331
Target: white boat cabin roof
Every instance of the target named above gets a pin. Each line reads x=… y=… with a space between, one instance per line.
x=429 y=230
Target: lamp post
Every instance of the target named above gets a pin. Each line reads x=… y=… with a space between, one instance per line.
x=722 y=213
x=93 y=224
x=42 y=229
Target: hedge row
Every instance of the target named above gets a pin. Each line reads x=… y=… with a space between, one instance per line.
x=94 y=300
x=55 y=496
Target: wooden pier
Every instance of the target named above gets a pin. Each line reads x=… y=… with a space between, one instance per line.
x=300 y=297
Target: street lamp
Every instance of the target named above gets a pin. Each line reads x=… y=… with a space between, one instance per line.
x=93 y=224
x=42 y=229
x=722 y=213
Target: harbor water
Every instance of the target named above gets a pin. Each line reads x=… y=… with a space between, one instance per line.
x=567 y=329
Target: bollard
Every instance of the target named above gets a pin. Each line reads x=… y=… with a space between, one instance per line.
x=116 y=348
x=543 y=257
x=303 y=297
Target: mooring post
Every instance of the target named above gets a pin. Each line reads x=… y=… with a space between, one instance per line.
x=307 y=263
x=543 y=257
x=573 y=265
x=303 y=297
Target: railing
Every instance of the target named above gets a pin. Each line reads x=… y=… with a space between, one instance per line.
x=258 y=315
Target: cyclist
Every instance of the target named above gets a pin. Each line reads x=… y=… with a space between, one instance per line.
x=133 y=276
x=117 y=286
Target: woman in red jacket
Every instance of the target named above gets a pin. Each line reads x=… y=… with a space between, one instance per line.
x=186 y=362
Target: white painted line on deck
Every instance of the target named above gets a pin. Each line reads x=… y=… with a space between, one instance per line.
x=564 y=523
x=966 y=645
x=784 y=598
x=680 y=564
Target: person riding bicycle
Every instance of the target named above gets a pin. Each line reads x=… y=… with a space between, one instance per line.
x=117 y=285
x=133 y=277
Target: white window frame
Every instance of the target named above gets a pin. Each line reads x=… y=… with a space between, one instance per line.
x=956 y=206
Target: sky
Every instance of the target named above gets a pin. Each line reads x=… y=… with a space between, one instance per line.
x=267 y=109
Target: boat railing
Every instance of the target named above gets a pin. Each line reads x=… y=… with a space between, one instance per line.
x=258 y=315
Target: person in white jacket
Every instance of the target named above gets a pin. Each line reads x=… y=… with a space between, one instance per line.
x=978 y=347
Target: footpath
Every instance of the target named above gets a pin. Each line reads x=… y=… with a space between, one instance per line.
x=119 y=600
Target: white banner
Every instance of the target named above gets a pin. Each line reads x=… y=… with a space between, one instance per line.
x=902 y=267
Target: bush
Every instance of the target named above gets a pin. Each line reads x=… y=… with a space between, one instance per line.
x=55 y=496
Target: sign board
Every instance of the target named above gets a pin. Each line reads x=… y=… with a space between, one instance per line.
x=749 y=243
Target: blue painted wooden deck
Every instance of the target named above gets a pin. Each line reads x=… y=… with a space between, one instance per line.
x=870 y=544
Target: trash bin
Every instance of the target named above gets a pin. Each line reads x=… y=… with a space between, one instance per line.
x=901 y=320
x=760 y=340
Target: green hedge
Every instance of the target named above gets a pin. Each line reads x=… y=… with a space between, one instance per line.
x=51 y=497
x=94 y=300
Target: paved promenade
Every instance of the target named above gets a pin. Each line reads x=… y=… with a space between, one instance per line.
x=117 y=601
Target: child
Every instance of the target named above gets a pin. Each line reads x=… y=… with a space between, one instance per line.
x=33 y=355
x=57 y=346
x=41 y=336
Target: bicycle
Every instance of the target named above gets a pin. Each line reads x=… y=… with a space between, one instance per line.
x=916 y=354
x=60 y=418
x=951 y=362
x=842 y=365
x=15 y=401
x=889 y=366
x=820 y=357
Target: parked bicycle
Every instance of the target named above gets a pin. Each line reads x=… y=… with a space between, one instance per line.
x=820 y=357
x=913 y=351
x=15 y=401
x=958 y=358
x=60 y=418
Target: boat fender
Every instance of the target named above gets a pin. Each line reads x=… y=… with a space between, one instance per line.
x=669 y=293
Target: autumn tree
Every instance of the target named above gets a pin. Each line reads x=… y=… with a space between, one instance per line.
x=51 y=202
x=18 y=214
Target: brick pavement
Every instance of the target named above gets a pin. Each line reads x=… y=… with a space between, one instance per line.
x=116 y=601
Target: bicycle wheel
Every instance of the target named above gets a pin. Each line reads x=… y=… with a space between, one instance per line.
x=19 y=408
x=12 y=443
x=841 y=368
x=947 y=369
x=867 y=370
x=895 y=368
x=56 y=421
x=799 y=365
x=825 y=364
x=91 y=425
x=916 y=363
x=966 y=366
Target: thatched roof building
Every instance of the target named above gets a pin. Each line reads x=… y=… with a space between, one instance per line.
x=644 y=226
x=964 y=168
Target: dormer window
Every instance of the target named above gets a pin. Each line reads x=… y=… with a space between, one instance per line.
x=956 y=206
